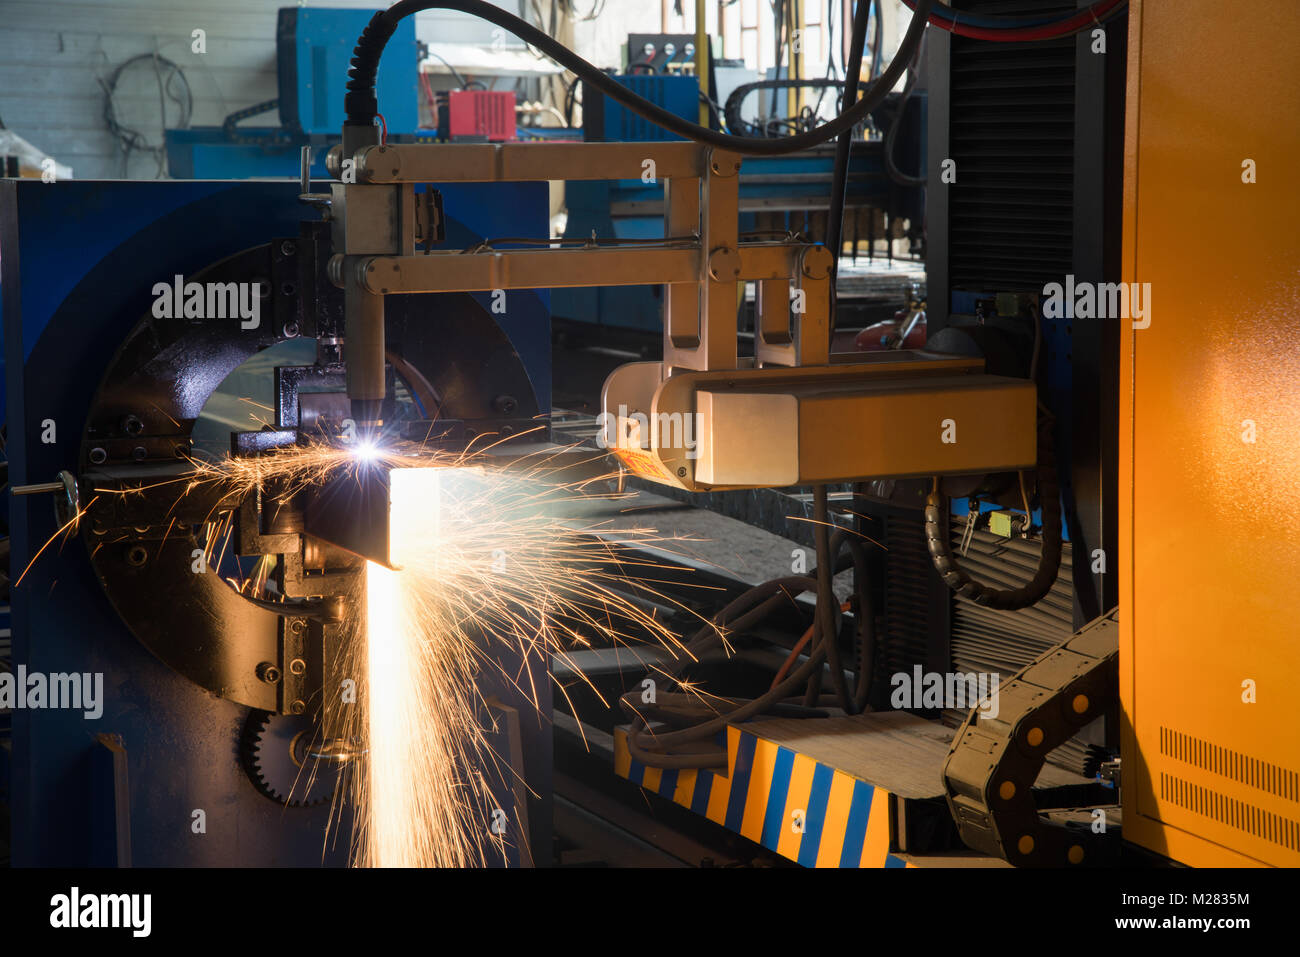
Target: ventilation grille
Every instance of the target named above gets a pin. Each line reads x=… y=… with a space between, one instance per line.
x=1230 y=764
x=488 y=114
x=1011 y=133
x=907 y=609
x=1003 y=642
x=986 y=639
x=1253 y=820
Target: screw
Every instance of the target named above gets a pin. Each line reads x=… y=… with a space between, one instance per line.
x=132 y=425
x=290 y=330
x=288 y=248
x=681 y=472
x=298 y=706
x=505 y=404
x=268 y=672
x=139 y=453
x=297 y=666
x=137 y=555
x=298 y=626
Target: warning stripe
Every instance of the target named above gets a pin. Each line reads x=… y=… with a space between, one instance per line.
x=806 y=811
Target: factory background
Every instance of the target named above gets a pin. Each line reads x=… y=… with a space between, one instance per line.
x=58 y=56
x=812 y=416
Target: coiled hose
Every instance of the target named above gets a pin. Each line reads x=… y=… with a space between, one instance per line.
x=1010 y=599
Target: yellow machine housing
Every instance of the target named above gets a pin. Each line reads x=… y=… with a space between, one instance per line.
x=1209 y=452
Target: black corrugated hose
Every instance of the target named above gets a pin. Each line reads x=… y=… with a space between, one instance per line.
x=937 y=534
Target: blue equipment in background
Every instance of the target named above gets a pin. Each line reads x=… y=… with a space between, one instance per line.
x=313 y=50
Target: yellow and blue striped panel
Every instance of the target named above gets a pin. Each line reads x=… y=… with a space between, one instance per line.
x=800 y=808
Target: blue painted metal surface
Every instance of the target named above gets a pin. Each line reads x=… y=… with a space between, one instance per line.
x=79 y=263
x=679 y=95
x=314 y=48
x=313 y=51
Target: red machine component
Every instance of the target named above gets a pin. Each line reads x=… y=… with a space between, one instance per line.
x=481 y=114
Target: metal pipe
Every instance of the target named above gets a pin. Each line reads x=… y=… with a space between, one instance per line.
x=41 y=488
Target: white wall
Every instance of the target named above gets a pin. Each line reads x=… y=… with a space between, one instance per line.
x=53 y=53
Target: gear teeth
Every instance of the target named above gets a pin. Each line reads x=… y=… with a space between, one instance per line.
x=254 y=739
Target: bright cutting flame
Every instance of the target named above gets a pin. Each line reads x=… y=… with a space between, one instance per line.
x=421 y=725
x=367 y=451
x=490 y=570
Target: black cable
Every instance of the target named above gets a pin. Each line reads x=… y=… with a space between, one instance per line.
x=746 y=612
x=361 y=106
x=937 y=533
x=891 y=167
x=129 y=139
x=840 y=172
x=229 y=126
x=827 y=631
x=712 y=104
x=743 y=612
x=736 y=99
x=455 y=74
x=865 y=613
x=877 y=42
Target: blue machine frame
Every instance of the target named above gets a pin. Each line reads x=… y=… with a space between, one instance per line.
x=79 y=262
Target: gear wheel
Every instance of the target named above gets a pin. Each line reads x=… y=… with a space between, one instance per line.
x=274 y=751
